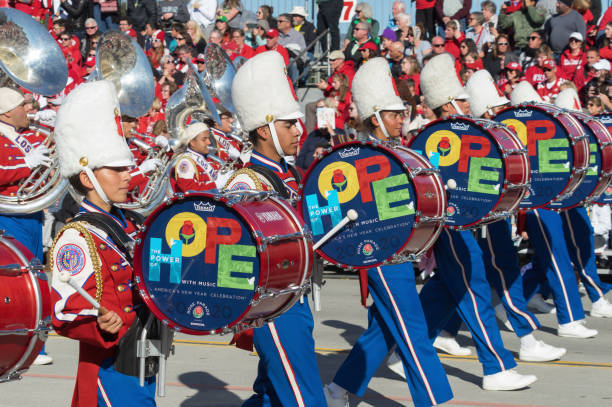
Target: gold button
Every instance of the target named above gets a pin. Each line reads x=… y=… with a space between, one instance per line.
x=102 y=246
x=83 y=161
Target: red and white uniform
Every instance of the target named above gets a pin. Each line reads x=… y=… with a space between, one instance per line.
x=549 y=91
x=194 y=172
x=13 y=148
x=227 y=147
x=73 y=316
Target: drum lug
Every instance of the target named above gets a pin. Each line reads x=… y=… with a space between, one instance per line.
x=516 y=186
x=264 y=240
x=495 y=216
x=421 y=171
x=513 y=151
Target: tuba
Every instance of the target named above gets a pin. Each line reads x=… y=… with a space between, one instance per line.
x=30 y=58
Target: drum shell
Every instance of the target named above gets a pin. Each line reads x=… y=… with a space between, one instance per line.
x=276 y=272
x=24 y=312
x=606 y=197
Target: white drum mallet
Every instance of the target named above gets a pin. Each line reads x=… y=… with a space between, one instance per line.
x=65 y=277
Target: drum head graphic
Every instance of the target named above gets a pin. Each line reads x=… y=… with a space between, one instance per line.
x=606 y=197
x=467 y=154
x=371 y=180
x=198 y=264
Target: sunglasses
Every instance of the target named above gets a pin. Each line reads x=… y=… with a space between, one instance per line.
x=534 y=37
x=65 y=39
x=574 y=40
x=283 y=21
x=590 y=104
x=91 y=28
x=502 y=43
x=180 y=38
x=357 y=11
x=438 y=45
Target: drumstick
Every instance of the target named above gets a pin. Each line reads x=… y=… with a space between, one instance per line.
x=65 y=277
x=351 y=215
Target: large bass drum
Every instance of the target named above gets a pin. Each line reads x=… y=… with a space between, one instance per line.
x=599 y=173
x=396 y=192
x=558 y=151
x=483 y=164
x=606 y=197
x=209 y=264
x=25 y=312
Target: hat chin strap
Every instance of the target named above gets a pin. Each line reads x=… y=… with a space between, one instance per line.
x=96 y=185
x=277 y=145
x=381 y=124
x=457 y=108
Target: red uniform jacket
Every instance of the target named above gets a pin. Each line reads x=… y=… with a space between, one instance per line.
x=13 y=147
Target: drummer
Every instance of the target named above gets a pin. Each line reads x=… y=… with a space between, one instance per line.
x=193 y=171
x=21 y=152
x=461 y=283
x=96 y=159
x=396 y=316
x=261 y=92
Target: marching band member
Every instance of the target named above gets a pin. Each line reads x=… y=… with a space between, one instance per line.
x=228 y=148
x=21 y=152
x=500 y=256
x=396 y=316
x=96 y=159
x=287 y=374
x=551 y=261
x=193 y=171
x=461 y=282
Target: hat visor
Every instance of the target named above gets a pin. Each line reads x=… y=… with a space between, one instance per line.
x=11 y=106
x=394 y=107
x=120 y=163
x=501 y=101
x=462 y=96
x=292 y=116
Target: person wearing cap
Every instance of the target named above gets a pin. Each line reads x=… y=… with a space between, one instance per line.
x=573 y=59
x=21 y=152
x=287 y=374
x=549 y=88
x=599 y=83
x=95 y=159
x=368 y=51
x=157 y=50
x=395 y=318
x=560 y=26
x=256 y=36
x=361 y=37
x=387 y=38
x=273 y=45
x=511 y=76
x=522 y=22
x=302 y=25
x=229 y=149
x=460 y=262
x=194 y=171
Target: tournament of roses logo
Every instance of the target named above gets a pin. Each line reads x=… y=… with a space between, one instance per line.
x=367 y=247
x=450 y=211
x=339 y=181
x=609 y=191
x=187 y=233
x=444 y=147
x=198 y=311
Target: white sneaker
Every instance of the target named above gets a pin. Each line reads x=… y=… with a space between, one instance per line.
x=601 y=309
x=339 y=401
x=450 y=346
x=42 y=360
x=537 y=302
x=500 y=314
x=575 y=329
x=540 y=352
x=507 y=380
x=396 y=365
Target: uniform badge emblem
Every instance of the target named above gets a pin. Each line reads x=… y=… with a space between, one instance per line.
x=71 y=258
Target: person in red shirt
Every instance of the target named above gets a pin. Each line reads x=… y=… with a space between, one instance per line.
x=606 y=51
x=342 y=98
x=452 y=38
x=273 y=45
x=511 y=75
x=573 y=58
x=156 y=53
x=125 y=25
x=243 y=49
x=193 y=170
x=410 y=70
x=535 y=74
x=549 y=88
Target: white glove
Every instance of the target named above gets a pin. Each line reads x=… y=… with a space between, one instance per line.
x=233 y=153
x=150 y=165
x=222 y=179
x=37 y=157
x=161 y=141
x=46 y=117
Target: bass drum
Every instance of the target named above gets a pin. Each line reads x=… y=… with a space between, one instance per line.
x=558 y=151
x=606 y=197
x=209 y=264
x=397 y=194
x=25 y=313
x=599 y=173
x=483 y=164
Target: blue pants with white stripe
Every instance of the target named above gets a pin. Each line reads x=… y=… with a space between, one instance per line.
x=461 y=284
x=287 y=374
x=579 y=238
x=119 y=390
x=396 y=317
x=504 y=274
x=552 y=261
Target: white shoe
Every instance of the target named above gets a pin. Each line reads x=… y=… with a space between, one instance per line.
x=339 y=401
x=507 y=380
x=500 y=314
x=601 y=309
x=450 y=346
x=540 y=352
x=42 y=360
x=396 y=365
x=575 y=329
x=537 y=302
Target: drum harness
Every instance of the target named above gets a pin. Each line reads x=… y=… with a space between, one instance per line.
x=147 y=341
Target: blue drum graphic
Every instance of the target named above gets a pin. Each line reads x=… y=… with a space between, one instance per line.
x=557 y=148
x=372 y=180
x=606 y=197
x=467 y=154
